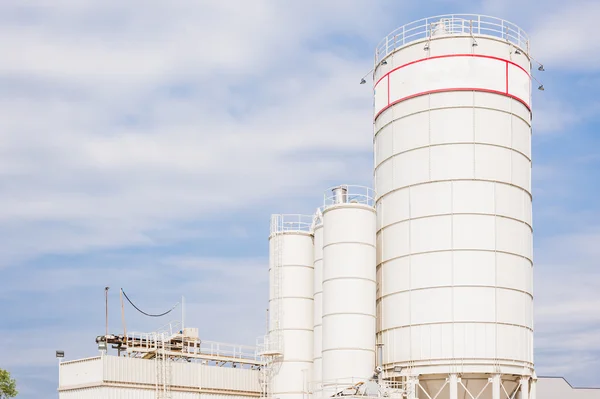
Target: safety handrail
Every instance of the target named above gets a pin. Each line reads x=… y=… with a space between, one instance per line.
x=149 y=341
x=290 y=222
x=349 y=194
x=461 y=24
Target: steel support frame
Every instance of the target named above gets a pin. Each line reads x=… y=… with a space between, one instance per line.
x=526 y=388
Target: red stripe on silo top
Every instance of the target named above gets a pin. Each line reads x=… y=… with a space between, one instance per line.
x=451 y=56
x=449 y=73
x=507 y=78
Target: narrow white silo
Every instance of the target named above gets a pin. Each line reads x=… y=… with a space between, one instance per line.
x=291 y=265
x=454 y=231
x=348 y=287
x=318 y=302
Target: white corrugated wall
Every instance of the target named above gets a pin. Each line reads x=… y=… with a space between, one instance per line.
x=85 y=393
x=107 y=392
x=348 y=293
x=124 y=370
x=131 y=370
x=79 y=372
x=292 y=256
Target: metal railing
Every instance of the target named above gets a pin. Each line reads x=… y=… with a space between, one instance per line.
x=290 y=222
x=452 y=24
x=171 y=339
x=234 y=351
x=269 y=345
x=346 y=193
x=317 y=218
x=169 y=329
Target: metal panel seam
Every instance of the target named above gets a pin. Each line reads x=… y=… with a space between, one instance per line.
x=448 y=250
x=474 y=89
x=449 y=107
x=446 y=144
x=450 y=180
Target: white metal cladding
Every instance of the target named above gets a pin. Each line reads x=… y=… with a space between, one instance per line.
x=94 y=393
x=122 y=392
x=348 y=292
x=78 y=372
x=292 y=252
x=318 y=303
x=113 y=369
x=454 y=236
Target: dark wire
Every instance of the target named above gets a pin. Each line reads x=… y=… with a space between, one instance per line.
x=142 y=312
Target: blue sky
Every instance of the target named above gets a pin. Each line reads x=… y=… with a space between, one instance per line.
x=144 y=144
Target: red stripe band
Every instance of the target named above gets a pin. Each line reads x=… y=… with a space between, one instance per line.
x=388 y=88
x=506 y=78
x=453 y=89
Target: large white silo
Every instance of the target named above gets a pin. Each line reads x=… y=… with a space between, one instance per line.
x=290 y=338
x=348 y=347
x=318 y=301
x=452 y=98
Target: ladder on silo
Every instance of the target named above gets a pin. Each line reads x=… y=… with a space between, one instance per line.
x=264 y=379
x=162 y=368
x=275 y=338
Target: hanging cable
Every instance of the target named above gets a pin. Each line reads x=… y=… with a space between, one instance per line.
x=144 y=313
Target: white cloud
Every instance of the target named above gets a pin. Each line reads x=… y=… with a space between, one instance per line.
x=561 y=32
x=553 y=116
x=563 y=37
x=70 y=154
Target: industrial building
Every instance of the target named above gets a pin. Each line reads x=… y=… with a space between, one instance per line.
x=420 y=287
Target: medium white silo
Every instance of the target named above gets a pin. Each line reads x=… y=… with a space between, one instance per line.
x=454 y=230
x=348 y=287
x=318 y=302
x=290 y=306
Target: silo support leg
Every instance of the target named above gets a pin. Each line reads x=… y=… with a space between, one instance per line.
x=525 y=388
x=496 y=385
x=413 y=385
x=532 y=389
x=453 y=386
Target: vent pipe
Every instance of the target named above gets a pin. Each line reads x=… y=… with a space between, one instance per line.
x=340 y=194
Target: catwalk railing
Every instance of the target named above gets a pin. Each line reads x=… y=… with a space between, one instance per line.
x=175 y=341
x=347 y=193
x=457 y=24
x=282 y=223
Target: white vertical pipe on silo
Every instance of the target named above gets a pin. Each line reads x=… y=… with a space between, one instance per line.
x=318 y=301
x=533 y=388
x=348 y=289
x=453 y=386
x=524 y=387
x=291 y=304
x=412 y=387
x=496 y=386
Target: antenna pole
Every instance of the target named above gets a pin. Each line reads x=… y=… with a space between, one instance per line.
x=182 y=313
x=123 y=316
x=106 y=307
